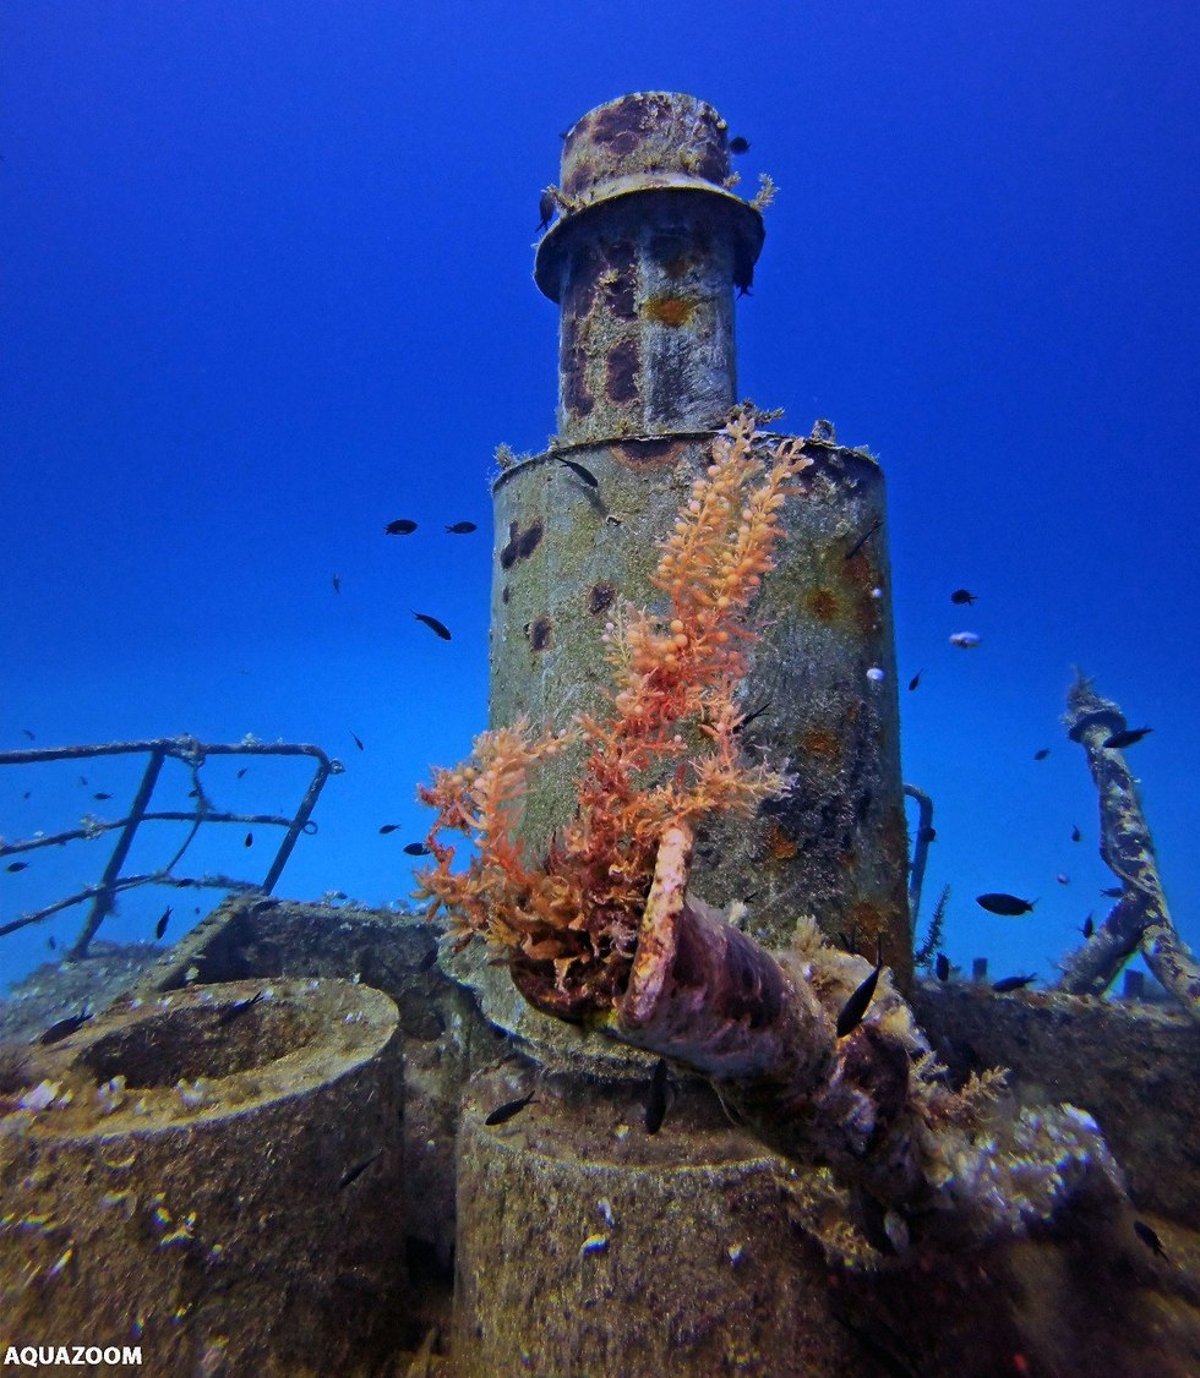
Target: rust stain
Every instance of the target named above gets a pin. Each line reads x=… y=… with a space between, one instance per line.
x=520 y=545
x=821 y=743
x=672 y=311
x=623 y=118
x=860 y=570
x=823 y=603
x=600 y=597
x=647 y=454
x=869 y=615
x=576 y=394
x=780 y=844
x=620 y=295
x=621 y=381
x=539 y=632
x=529 y=540
x=868 y=922
x=508 y=554
x=582 y=175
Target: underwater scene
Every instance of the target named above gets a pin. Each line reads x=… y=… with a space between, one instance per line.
x=597 y=718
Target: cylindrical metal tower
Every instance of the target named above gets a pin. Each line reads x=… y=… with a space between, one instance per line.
x=644 y=259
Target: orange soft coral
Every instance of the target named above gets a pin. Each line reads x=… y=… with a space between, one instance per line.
x=570 y=922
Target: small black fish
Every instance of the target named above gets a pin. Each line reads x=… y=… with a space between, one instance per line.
x=100 y=794
x=546 y=205
x=358 y=741
x=83 y=781
x=749 y=718
x=385 y=828
x=336 y=580
x=1008 y=983
x=27 y=793
x=1150 y=1239
x=580 y=472
x=916 y=679
x=997 y=902
x=656 y=1097
x=416 y=849
x=249 y=842
x=242 y=772
x=66 y=1027
x=400 y=527
x=1088 y=927
x=52 y=943
x=161 y=926
x=29 y=734
x=961 y=596
x=1076 y=835
x=505 y=1112
x=462 y=528
x=926 y=834
x=228 y=1015
x=1041 y=753
x=15 y=866
x=941 y=967
x=863 y=539
x=1126 y=738
x=359 y=1168
x=739 y=145
x=434 y=625
x=1114 y=892
x=851 y=1013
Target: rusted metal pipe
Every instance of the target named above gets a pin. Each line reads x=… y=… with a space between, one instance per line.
x=642 y=260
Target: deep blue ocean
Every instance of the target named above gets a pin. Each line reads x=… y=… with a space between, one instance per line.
x=267 y=287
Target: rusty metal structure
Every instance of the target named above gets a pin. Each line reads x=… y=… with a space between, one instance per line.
x=193 y=754
x=649 y=247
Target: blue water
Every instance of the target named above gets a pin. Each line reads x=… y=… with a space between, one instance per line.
x=267 y=286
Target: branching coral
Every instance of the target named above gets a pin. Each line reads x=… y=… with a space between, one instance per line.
x=667 y=752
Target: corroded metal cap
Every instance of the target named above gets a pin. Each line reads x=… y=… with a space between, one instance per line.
x=648 y=141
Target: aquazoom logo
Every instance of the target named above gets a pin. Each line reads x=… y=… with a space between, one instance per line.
x=55 y=1356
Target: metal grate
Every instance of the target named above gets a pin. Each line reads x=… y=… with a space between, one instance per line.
x=193 y=754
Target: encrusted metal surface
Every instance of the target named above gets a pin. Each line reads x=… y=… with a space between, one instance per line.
x=643 y=259
x=567 y=553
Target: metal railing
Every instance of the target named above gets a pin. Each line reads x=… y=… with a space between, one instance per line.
x=192 y=753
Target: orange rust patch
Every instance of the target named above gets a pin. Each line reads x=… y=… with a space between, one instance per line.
x=672 y=311
x=823 y=603
x=781 y=845
x=868 y=920
x=821 y=743
x=861 y=571
x=647 y=454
